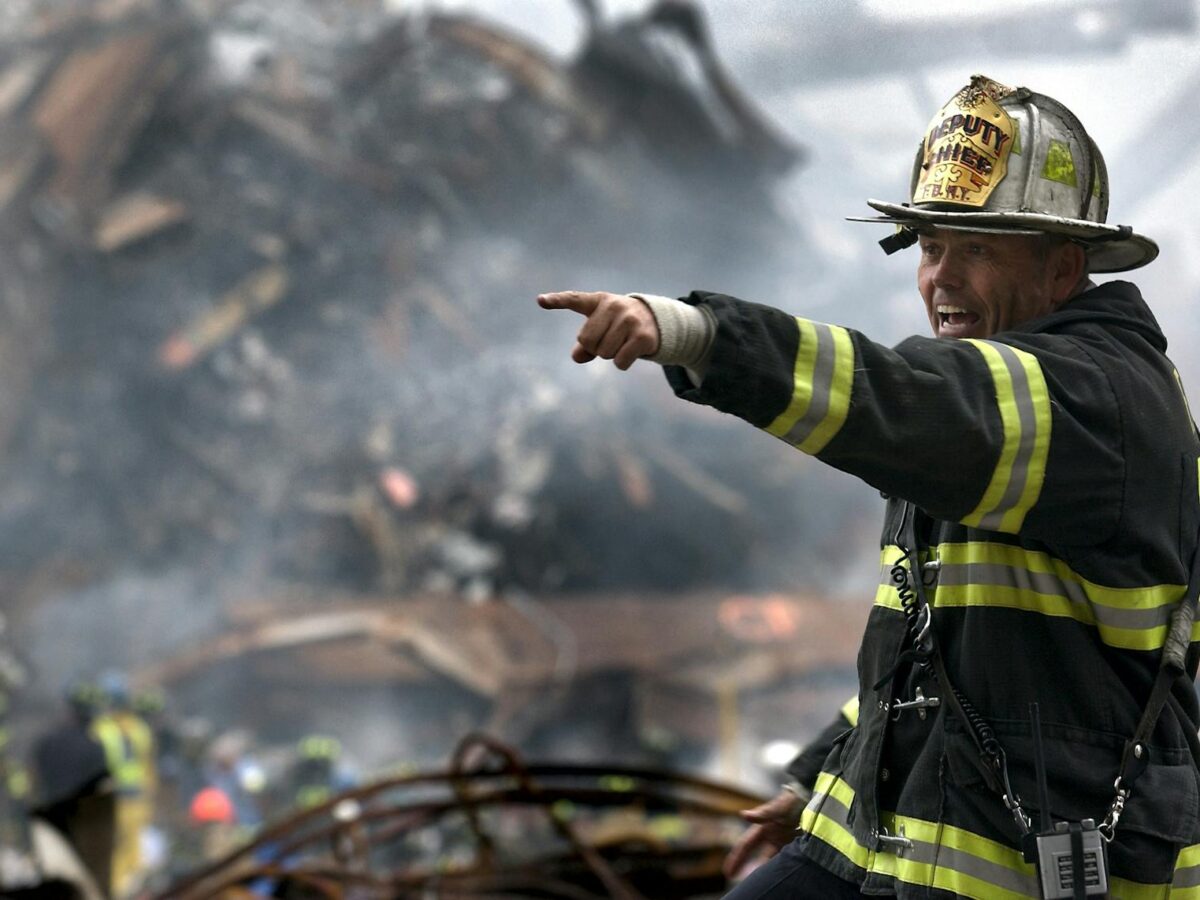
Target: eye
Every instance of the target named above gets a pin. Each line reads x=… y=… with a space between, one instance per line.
x=977 y=249
x=930 y=249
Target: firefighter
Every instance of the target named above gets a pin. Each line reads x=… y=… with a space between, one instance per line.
x=74 y=789
x=317 y=773
x=1026 y=720
x=128 y=744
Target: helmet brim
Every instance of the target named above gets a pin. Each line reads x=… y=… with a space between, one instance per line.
x=1111 y=248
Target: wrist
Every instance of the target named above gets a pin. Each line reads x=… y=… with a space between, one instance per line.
x=685 y=332
x=800 y=794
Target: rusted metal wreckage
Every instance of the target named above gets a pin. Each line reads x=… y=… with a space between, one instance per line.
x=263 y=281
x=594 y=678
x=233 y=256
x=492 y=825
x=277 y=295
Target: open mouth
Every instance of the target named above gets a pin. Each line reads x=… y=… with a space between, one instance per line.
x=955 y=318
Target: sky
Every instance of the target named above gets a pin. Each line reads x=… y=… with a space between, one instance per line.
x=857 y=88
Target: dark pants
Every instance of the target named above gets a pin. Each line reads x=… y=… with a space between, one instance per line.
x=790 y=875
x=87 y=822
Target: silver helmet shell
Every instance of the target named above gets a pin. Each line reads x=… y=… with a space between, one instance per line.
x=1009 y=160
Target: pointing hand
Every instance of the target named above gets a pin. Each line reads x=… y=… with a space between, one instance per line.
x=617 y=326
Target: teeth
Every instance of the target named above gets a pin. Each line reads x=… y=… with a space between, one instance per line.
x=949 y=310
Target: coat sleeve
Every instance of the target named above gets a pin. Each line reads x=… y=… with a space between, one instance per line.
x=1017 y=433
x=807 y=764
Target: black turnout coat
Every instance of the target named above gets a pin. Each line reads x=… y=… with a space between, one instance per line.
x=1055 y=470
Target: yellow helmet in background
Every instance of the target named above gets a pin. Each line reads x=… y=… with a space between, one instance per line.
x=1009 y=160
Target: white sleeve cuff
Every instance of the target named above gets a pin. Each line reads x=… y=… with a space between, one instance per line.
x=685 y=334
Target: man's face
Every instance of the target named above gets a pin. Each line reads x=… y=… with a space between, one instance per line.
x=975 y=285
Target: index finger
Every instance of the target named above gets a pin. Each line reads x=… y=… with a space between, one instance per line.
x=582 y=302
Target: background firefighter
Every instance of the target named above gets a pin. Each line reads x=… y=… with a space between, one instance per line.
x=1040 y=465
x=128 y=744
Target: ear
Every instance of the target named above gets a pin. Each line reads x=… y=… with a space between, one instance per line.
x=1067 y=266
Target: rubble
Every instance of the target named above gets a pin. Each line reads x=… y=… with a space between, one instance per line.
x=332 y=243
x=493 y=825
x=267 y=331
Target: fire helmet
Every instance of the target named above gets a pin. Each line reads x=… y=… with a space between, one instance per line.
x=211 y=805
x=1012 y=161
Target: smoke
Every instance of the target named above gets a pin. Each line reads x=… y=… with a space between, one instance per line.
x=417 y=202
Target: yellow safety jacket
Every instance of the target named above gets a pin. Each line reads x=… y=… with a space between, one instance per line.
x=128 y=744
x=1057 y=464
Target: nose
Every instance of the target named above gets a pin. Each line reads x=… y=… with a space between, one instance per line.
x=946 y=272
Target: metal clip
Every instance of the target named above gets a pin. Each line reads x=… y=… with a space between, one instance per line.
x=1011 y=799
x=897 y=843
x=919 y=702
x=1108 y=828
x=924 y=622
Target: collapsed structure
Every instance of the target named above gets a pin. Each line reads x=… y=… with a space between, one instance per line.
x=267 y=353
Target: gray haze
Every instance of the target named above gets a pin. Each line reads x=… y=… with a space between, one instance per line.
x=853 y=84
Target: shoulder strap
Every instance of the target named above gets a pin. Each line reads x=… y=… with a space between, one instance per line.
x=986 y=745
x=1173 y=664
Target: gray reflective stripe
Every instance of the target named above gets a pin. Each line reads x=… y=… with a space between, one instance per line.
x=840 y=813
x=989 y=872
x=948 y=858
x=1186 y=878
x=999 y=575
x=822 y=387
x=1019 y=474
x=940 y=857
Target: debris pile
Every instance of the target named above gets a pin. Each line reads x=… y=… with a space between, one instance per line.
x=491 y=825
x=268 y=300
x=267 y=327
x=270 y=366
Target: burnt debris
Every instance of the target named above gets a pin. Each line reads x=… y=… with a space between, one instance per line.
x=260 y=270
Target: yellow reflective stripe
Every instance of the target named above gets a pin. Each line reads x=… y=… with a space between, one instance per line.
x=1024 y=404
x=1148 y=596
x=802 y=375
x=822 y=379
x=850 y=710
x=1136 y=890
x=1028 y=601
x=830 y=826
x=1039 y=451
x=1002 y=575
x=958 y=861
x=839 y=392
x=981 y=573
x=1186 y=882
x=1188 y=857
x=886 y=594
x=948 y=858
